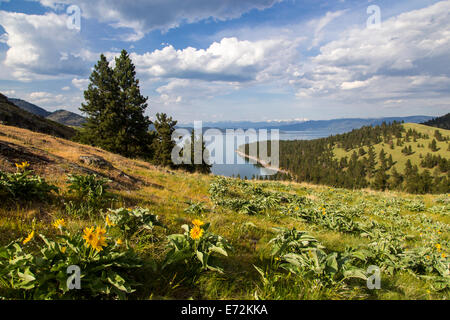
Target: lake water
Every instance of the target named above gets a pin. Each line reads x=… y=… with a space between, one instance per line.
x=247 y=169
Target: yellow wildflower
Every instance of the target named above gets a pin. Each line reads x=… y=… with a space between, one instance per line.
x=63 y=249
x=23 y=165
x=444 y=255
x=119 y=242
x=109 y=223
x=428 y=257
x=95 y=239
x=197 y=223
x=89 y=235
x=438 y=246
x=59 y=223
x=28 y=238
x=196 y=233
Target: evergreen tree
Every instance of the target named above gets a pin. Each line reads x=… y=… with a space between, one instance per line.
x=163 y=143
x=371 y=161
x=134 y=126
x=396 y=179
x=115 y=109
x=433 y=146
x=202 y=153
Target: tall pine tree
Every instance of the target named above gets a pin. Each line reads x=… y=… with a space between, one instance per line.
x=115 y=109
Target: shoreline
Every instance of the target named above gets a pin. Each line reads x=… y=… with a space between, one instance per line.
x=260 y=162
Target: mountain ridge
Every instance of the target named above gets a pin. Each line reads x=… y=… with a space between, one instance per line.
x=64 y=117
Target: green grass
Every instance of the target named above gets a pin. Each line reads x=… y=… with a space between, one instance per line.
x=168 y=194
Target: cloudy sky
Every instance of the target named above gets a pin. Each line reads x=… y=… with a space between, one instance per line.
x=236 y=59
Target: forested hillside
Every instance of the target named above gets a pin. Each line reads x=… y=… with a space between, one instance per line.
x=440 y=122
x=409 y=157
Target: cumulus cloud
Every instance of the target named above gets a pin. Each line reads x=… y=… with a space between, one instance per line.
x=229 y=60
x=406 y=58
x=81 y=84
x=45 y=98
x=143 y=16
x=42 y=45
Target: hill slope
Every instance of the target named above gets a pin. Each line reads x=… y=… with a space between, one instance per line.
x=244 y=213
x=440 y=122
x=67 y=118
x=64 y=117
x=355 y=160
x=31 y=108
x=12 y=115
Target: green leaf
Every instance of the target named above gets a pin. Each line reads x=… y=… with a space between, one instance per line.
x=219 y=250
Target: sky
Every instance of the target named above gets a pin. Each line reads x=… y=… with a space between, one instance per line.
x=218 y=60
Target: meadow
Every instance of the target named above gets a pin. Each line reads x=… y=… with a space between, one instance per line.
x=143 y=232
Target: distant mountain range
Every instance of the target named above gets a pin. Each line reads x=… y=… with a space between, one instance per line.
x=12 y=115
x=61 y=116
x=331 y=127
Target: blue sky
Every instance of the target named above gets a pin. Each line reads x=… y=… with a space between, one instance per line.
x=217 y=60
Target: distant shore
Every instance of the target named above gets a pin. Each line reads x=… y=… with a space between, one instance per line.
x=261 y=162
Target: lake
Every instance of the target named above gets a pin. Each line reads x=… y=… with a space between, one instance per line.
x=248 y=169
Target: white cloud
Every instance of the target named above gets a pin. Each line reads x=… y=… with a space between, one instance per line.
x=41 y=45
x=321 y=23
x=9 y=93
x=45 y=98
x=81 y=84
x=229 y=60
x=407 y=58
x=143 y=16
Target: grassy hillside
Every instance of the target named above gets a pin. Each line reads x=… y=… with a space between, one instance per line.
x=12 y=115
x=396 y=231
x=418 y=152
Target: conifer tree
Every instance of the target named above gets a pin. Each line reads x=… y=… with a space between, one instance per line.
x=163 y=143
x=115 y=109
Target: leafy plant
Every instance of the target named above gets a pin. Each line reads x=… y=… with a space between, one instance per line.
x=197 y=248
x=132 y=221
x=195 y=207
x=301 y=254
x=22 y=185
x=105 y=266
x=91 y=194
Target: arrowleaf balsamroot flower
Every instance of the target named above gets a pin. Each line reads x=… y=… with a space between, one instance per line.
x=197 y=223
x=109 y=223
x=60 y=223
x=23 y=165
x=95 y=239
x=28 y=238
x=196 y=233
